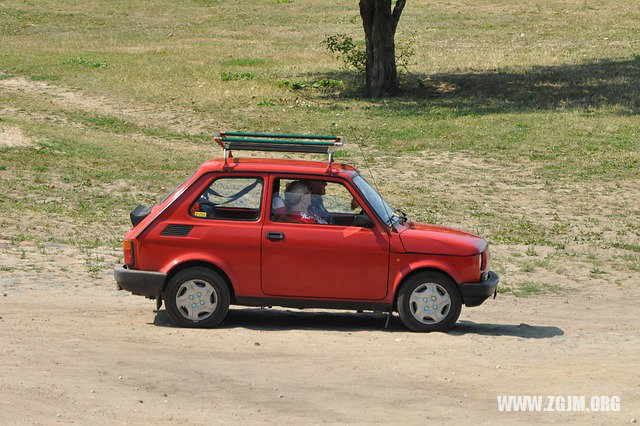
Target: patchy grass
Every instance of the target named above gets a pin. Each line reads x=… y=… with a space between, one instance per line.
x=626 y=246
x=243 y=62
x=530 y=288
x=85 y=62
x=43 y=78
x=112 y=124
x=517 y=121
x=233 y=76
x=266 y=102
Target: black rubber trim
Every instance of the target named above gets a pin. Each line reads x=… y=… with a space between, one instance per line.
x=475 y=294
x=142 y=283
x=309 y=303
x=138 y=214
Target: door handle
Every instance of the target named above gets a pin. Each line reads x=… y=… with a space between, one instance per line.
x=275 y=236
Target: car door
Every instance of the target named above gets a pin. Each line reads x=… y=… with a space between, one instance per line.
x=305 y=259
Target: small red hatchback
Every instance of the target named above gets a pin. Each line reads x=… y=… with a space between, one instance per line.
x=303 y=234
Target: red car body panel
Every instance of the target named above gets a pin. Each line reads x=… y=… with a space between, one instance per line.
x=327 y=262
x=233 y=246
x=433 y=239
x=337 y=262
x=332 y=262
x=460 y=268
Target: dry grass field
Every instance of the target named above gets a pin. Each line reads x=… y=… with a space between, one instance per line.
x=518 y=121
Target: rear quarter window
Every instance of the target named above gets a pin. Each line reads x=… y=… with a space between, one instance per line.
x=230 y=198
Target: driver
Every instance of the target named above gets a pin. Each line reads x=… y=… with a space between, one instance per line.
x=318 y=188
x=297 y=199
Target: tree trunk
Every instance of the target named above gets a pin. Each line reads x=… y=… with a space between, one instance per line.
x=380 y=24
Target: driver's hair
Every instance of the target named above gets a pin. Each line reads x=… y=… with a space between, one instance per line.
x=294 y=191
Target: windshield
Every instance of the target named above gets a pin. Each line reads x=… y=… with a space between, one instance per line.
x=382 y=209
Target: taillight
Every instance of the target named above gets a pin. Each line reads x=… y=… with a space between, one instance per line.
x=127 y=247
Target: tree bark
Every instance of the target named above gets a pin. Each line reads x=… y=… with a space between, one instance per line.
x=380 y=24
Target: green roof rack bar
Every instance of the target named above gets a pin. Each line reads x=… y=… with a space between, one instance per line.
x=277 y=142
x=280 y=136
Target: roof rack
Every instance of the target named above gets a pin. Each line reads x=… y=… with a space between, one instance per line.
x=242 y=141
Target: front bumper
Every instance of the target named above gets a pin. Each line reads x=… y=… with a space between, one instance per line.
x=473 y=294
x=143 y=283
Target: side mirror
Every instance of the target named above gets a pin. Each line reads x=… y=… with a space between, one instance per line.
x=363 y=221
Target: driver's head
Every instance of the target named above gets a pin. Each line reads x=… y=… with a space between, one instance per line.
x=297 y=195
x=318 y=187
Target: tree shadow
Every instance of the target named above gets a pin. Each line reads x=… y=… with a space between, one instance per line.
x=590 y=85
x=284 y=319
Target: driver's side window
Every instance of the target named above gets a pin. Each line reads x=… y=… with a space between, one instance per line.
x=313 y=201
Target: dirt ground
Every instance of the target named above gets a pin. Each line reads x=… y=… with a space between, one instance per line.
x=75 y=350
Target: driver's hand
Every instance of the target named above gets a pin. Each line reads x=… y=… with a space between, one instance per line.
x=354 y=204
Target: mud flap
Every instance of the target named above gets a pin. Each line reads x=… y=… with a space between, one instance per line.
x=386 y=324
x=158 y=300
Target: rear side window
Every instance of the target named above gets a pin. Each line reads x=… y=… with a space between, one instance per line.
x=230 y=198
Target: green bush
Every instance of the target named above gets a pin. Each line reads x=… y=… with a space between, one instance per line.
x=325 y=83
x=354 y=54
x=266 y=102
x=347 y=50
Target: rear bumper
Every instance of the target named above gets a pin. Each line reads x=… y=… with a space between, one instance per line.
x=473 y=294
x=143 y=283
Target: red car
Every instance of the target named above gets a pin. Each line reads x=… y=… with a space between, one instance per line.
x=303 y=234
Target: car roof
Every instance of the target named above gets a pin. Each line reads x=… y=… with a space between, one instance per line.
x=270 y=165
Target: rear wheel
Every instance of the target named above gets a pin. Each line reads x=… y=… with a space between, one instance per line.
x=197 y=297
x=429 y=301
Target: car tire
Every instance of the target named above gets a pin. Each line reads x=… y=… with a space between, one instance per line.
x=197 y=297
x=429 y=301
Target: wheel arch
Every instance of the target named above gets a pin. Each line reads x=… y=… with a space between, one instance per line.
x=416 y=271
x=201 y=263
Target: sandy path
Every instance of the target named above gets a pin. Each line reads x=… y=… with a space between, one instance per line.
x=177 y=119
x=89 y=353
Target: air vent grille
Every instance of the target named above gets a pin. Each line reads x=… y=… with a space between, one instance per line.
x=177 y=230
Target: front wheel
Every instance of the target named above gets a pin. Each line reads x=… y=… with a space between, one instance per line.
x=197 y=297
x=429 y=301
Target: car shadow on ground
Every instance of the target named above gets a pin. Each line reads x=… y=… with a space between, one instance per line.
x=284 y=319
x=521 y=330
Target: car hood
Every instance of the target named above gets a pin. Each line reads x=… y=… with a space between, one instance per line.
x=433 y=239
